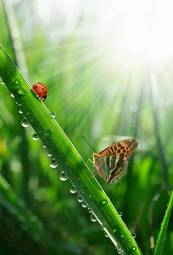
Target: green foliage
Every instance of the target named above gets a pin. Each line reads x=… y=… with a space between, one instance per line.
x=163 y=229
x=69 y=160
x=38 y=214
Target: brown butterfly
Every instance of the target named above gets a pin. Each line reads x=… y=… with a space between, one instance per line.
x=111 y=162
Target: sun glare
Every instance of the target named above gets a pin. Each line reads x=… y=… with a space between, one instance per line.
x=142 y=29
x=131 y=32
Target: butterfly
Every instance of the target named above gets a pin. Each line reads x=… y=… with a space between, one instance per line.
x=111 y=162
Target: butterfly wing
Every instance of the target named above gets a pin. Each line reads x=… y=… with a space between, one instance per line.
x=118 y=169
x=104 y=165
x=111 y=162
x=111 y=167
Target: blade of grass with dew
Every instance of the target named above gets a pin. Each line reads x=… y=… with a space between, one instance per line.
x=67 y=156
x=162 y=234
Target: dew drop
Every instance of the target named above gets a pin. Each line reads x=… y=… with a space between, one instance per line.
x=20 y=111
x=44 y=146
x=49 y=155
x=106 y=235
x=134 y=236
x=120 y=251
x=93 y=218
x=80 y=199
x=63 y=177
x=2 y=83
x=24 y=122
x=53 y=163
x=17 y=82
x=104 y=202
x=53 y=115
x=72 y=190
x=35 y=137
x=84 y=205
x=12 y=95
x=132 y=250
x=21 y=92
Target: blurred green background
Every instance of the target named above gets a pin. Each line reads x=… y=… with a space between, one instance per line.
x=108 y=78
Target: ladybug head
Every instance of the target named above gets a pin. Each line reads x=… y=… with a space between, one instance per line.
x=44 y=97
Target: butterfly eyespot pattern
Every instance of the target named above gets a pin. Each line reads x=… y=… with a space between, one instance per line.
x=111 y=162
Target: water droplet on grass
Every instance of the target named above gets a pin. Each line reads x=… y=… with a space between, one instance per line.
x=18 y=103
x=12 y=95
x=17 y=82
x=63 y=177
x=25 y=122
x=44 y=146
x=120 y=251
x=35 y=137
x=80 y=199
x=20 y=111
x=84 y=205
x=21 y=92
x=120 y=214
x=53 y=115
x=2 y=83
x=93 y=218
x=73 y=190
x=53 y=163
x=132 y=250
x=104 y=202
x=49 y=155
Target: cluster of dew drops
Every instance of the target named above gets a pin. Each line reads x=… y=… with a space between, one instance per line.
x=35 y=137
x=54 y=165
x=62 y=176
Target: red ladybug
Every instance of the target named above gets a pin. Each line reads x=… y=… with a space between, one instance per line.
x=40 y=90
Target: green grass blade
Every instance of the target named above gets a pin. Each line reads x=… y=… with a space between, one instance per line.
x=68 y=157
x=19 y=59
x=14 y=37
x=162 y=234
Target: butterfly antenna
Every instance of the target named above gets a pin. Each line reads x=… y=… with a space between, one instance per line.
x=88 y=143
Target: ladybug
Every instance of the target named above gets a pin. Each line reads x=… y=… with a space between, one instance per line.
x=40 y=90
